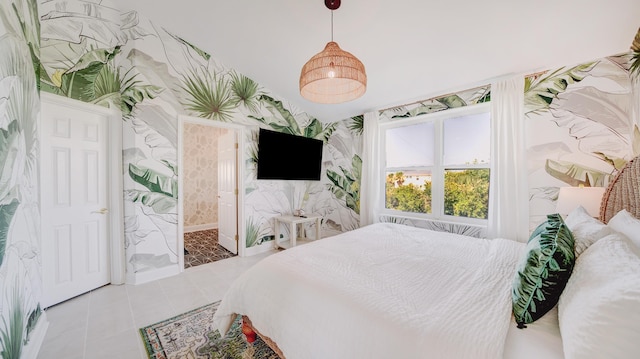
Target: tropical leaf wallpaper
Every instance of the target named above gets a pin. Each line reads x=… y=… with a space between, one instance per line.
x=97 y=54
x=580 y=128
x=580 y=122
x=20 y=273
x=463 y=98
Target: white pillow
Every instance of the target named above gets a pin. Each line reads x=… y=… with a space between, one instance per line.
x=598 y=309
x=626 y=224
x=586 y=230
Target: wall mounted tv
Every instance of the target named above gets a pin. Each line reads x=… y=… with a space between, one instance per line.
x=282 y=156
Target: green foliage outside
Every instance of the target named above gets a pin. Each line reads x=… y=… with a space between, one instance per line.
x=409 y=197
x=466 y=194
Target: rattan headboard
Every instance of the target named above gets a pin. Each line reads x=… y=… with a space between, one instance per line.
x=623 y=192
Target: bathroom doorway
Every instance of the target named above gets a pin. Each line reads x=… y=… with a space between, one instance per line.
x=209 y=191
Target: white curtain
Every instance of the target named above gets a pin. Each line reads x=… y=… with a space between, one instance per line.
x=370 y=181
x=509 y=193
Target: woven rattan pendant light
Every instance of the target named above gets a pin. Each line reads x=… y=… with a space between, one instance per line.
x=333 y=75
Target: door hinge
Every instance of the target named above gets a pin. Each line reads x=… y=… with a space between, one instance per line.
x=236 y=237
x=236 y=145
x=235 y=191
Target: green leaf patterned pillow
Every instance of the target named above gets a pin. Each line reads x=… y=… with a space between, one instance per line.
x=544 y=271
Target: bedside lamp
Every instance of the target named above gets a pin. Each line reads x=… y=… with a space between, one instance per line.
x=569 y=198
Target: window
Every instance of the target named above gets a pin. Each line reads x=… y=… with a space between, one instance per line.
x=437 y=165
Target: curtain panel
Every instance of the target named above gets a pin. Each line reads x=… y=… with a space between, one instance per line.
x=370 y=182
x=508 y=197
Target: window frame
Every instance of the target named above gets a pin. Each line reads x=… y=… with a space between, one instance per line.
x=437 y=170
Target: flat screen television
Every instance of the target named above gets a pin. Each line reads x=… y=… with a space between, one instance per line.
x=282 y=156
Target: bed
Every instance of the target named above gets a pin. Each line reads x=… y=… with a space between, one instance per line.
x=394 y=291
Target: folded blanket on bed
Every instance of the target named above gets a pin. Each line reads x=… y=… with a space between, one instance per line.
x=382 y=291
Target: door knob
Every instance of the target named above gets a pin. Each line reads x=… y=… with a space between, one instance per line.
x=102 y=211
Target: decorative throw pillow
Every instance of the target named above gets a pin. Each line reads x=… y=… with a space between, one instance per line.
x=585 y=229
x=544 y=271
x=623 y=222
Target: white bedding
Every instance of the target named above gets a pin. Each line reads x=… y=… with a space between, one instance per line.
x=540 y=340
x=383 y=291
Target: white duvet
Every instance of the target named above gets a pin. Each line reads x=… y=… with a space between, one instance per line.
x=382 y=291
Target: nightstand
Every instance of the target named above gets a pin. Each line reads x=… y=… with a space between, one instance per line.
x=293 y=222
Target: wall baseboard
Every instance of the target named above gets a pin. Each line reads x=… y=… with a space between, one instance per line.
x=261 y=248
x=200 y=227
x=30 y=351
x=145 y=277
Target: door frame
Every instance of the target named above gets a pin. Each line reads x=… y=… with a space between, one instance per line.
x=114 y=178
x=240 y=131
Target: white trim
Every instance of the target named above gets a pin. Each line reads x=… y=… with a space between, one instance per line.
x=180 y=210
x=452 y=112
x=116 y=200
x=242 y=243
x=260 y=248
x=476 y=222
x=200 y=227
x=447 y=220
x=31 y=350
x=115 y=180
x=240 y=135
x=151 y=275
x=76 y=104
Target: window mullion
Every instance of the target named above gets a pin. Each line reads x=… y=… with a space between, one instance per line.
x=382 y=162
x=437 y=184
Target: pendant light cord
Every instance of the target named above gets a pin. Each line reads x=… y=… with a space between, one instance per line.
x=331 y=25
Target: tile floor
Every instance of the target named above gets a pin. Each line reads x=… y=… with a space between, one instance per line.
x=104 y=323
x=203 y=248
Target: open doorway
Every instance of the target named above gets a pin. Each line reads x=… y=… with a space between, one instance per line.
x=209 y=197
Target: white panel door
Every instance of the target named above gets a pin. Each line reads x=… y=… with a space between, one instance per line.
x=75 y=219
x=227 y=192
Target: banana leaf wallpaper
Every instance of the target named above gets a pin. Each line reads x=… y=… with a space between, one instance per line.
x=581 y=128
x=468 y=97
x=20 y=273
x=101 y=55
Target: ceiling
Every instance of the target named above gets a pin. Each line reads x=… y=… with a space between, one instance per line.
x=412 y=49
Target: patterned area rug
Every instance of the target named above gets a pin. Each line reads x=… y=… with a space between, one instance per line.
x=190 y=336
x=203 y=247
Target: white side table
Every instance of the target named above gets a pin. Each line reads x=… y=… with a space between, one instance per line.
x=293 y=222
